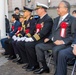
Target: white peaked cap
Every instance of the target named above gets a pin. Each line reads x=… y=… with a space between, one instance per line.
x=42 y=5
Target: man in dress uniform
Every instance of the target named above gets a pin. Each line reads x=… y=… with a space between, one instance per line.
x=43 y=29
x=28 y=27
x=62 y=36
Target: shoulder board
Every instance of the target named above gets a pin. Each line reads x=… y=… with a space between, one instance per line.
x=31 y=18
x=24 y=19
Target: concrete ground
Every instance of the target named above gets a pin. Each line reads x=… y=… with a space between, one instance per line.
x=10 y=68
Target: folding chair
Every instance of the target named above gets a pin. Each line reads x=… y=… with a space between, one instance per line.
x=49 y=55
x=74 y=67
x=50 y=58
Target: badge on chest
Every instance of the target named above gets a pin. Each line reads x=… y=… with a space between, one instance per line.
x=39 y=27
x=63 y=27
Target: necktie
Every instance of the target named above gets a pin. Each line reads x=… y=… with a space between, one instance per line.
x=60 y=20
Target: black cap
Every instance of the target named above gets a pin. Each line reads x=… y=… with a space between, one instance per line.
x=16 y=8
x=29 y=9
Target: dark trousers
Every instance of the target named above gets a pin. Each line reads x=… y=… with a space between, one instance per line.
x=31 y=54
x=22 y=50
x=9 y=47
x=17 y=52
x=40 y=48
x=55 y=52
x=40 y=52
x=64 y=56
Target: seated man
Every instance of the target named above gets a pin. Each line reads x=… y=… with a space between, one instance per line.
x=10 y=49
x=14 y=29
x=28 y=27
x=43 y=28
x=61 y=37
x=64 y=56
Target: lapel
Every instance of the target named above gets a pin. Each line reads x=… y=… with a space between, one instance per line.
x=27 y=23
x=43 y=19
x=65 y=20
x=14 y=23
x=56 y=23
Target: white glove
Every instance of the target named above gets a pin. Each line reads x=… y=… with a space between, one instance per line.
x=18 y=39
x=14 y=38
x=29 y=39
x=23 y=38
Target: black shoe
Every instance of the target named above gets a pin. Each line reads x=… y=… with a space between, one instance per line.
x=25 y=66
x=11 y=57
x=42 y=70
x=15 y=60
x=20 y=62
x=7 y=56
x=4 y=53
x=32 y=68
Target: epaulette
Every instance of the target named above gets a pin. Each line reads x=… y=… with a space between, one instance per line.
x=28 y=34
x=24 y=19
x=31 y=18
x=19 y=35
x=22 y=23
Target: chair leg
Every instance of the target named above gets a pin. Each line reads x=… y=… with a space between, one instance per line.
x=48 y=64
x=73 y=68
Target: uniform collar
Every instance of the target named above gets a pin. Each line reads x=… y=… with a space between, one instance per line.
x=14 y=21
x=42 y=16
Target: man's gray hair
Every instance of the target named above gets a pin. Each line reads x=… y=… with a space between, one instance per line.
x=67 y=5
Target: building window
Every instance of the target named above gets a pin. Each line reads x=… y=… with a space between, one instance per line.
x=49 y=2
x=29 y=1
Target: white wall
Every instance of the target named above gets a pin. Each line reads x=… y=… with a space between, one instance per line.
x=2 y=19
x=16 y=3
